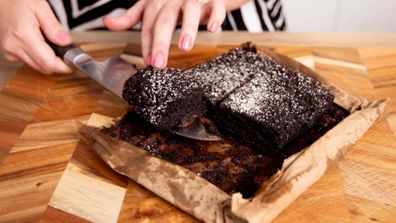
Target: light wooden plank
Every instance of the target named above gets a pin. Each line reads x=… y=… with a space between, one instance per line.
x=88 y=197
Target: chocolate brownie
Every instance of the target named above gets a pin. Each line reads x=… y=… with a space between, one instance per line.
x=165 y=97
x=267 y=111
x=273 y=108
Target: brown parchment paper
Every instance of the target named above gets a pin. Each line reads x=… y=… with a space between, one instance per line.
x=193 y=194
x=177 y=185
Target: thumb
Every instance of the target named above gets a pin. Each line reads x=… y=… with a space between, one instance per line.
x=50 y=26
x=127 y=20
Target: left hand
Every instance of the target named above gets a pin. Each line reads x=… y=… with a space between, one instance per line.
x=159 y=19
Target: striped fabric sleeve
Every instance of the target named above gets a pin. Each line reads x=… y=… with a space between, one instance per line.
x=257 y=16
x=253 y=16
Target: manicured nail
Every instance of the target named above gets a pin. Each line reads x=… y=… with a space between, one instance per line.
x=213 y=27
x=112 y=17
x=158 y=60
x=64 y=36
x=185 y=42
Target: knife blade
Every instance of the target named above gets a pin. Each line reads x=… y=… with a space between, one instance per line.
x=112 y=74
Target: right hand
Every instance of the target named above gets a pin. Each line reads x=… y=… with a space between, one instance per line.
x=22 y=23
x=159 y=19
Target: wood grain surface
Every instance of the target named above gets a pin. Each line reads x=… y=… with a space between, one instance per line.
x=48 y=175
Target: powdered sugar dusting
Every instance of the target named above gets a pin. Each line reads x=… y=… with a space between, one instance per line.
x=280 y=99
x=225 y=73
x=154 y=92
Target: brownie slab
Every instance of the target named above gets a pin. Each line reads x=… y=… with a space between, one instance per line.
x=164 y=97
x=273 y=108
x=267 y=112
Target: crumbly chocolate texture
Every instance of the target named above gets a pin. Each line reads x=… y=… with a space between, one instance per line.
x=225 y=73
x=165 y=97
x=273 y=108
x=227 y=164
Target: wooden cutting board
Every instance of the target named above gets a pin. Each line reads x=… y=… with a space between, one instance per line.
x=47 y=174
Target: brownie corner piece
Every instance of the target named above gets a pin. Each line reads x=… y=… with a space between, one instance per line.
x=164 y=96
x=273 y=108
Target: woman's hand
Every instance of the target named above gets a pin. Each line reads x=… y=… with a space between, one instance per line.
x=22 y=23
x=159 y=19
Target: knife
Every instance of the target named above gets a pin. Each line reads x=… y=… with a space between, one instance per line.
x=112 y=74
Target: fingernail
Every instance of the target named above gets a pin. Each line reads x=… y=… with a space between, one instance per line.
x=64 y=36
x=112 y=17
x=213 y=27
x=186 y=42
x=158 y=60
x=148 y=59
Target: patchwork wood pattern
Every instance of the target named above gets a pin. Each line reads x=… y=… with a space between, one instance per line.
x=48 y=175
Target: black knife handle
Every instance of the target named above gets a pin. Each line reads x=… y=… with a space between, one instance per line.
x=60 y=51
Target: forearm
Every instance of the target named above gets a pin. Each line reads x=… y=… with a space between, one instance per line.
x=234 y=4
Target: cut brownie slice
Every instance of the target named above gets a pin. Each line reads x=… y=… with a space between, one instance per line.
x=225 y=73
x=164 y=97
x=273 y=108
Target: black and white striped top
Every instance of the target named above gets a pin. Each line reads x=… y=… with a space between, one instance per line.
x=253 y=16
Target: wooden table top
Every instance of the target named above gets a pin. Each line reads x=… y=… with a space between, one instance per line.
x=47 y=174
x=274 y=39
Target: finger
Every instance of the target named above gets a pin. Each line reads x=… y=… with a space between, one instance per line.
x=162 y=35
x=131 y=17
x=51 y=27
x=191 y=18
x=42 y=54
x=217 y=15
x=11 y=57
x=29 y=61
x=61 y=66
x=147 y=32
